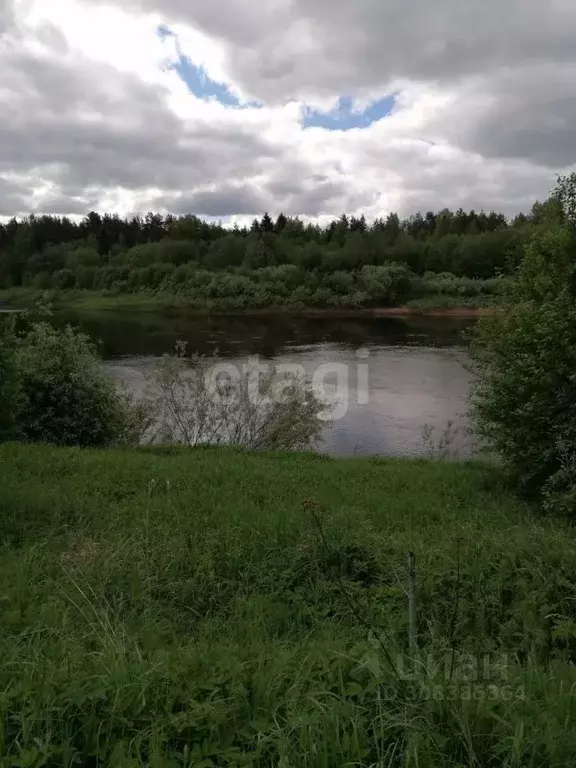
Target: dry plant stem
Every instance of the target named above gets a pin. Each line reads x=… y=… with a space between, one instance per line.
x=412 y=607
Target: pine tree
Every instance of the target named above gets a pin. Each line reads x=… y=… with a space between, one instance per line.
x=266 y=225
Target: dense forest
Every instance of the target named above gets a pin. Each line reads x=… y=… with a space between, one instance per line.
x=278 y=261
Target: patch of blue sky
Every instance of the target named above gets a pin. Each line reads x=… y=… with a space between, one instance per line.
x=198 y=81
x=344 y=117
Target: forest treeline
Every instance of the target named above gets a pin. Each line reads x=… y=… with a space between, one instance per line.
x=275 y=261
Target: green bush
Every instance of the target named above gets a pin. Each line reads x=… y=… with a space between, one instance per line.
x=449 y=285
x=340 y=282
x=64 y=279
x=86 y=277
x=387 y=284
x=8 y=380
x=525 y=397
x=42 y=281
x=64 y=396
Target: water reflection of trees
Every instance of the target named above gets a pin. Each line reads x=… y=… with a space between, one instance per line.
x=142 y=334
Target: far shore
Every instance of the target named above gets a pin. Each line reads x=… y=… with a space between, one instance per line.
x=404 y=311
x=88 y=301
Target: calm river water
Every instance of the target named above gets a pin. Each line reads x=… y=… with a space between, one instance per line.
x=417 y=368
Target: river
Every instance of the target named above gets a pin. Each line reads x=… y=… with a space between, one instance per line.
x=417 y=368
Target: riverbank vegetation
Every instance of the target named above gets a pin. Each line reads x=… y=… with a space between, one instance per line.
x=54 y=390
x=441 y=259
x=211 y=606
x=373 y=288
x=525 y=398
x=170 y=607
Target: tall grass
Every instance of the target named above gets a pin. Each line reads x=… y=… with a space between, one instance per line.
x=181 y=608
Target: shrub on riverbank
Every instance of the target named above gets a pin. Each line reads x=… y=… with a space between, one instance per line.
x=54 y=390
x=8 y=379
x=182 y=608
x=525 y=400
x=238 y=290
x=194 y=405
x=63 y=396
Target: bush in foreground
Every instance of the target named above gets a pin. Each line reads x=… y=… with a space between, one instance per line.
x=525 y=399
x=8 y=380
x=53 y=389
x=65 y=397
x=193 y=405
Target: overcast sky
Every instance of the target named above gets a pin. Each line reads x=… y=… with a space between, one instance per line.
x=228 y=108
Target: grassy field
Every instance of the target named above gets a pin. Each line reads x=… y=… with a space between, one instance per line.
x=211 y=608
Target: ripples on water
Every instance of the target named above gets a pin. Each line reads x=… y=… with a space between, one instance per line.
x=418 y=375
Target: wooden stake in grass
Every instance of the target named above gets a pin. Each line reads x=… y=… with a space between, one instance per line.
x=412 y=609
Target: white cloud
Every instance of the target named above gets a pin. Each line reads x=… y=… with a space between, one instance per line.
x=95 y=117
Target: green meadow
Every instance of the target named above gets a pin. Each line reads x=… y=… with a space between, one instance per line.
x=208 y=607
